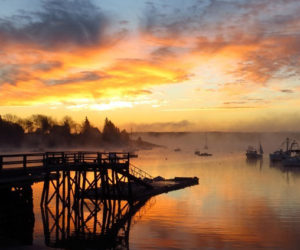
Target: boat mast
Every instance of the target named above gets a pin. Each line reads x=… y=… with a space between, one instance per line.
x=261 y=151
x=205 y=146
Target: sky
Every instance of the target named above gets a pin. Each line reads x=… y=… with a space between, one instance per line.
x=176 y=65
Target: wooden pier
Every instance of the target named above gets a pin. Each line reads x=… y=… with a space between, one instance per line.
x=87 y=174
x=88 y=198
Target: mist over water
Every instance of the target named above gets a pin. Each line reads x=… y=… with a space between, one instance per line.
x=219 y=142
x=237 y=205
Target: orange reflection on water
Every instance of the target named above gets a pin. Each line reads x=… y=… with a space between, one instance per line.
x=234 y=206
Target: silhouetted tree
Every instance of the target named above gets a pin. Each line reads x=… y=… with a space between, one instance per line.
x=110 y=132
x=86 y=126
x=42 y=123
x=90 y=135
x=68 y=121
x=11 y=134
x=125 y=138
x=27 y=125
x=43 y=131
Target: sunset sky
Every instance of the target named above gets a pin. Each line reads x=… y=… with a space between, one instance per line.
x=179 y=65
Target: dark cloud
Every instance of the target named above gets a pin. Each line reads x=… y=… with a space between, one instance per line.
x=59 y=23
x=163 y=52
x=288 y=91
x=11 y=74
x=85 y=76
x=47 y=66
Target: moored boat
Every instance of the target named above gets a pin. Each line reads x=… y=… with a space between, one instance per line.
x=205 y=147
x=197 y=152
x=252 y=153
x=291 y=148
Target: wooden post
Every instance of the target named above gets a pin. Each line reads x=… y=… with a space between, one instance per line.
x=99 y=157
x=1 y=162
x=24 y=161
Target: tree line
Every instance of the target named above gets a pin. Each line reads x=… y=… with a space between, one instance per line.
x=39 y=131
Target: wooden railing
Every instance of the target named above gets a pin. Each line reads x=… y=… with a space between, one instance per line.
x=21 y=160
x=139 y=173
x=66 y=157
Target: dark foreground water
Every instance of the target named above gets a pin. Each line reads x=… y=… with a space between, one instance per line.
x=237 y=204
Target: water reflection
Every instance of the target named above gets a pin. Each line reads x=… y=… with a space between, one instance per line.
x=257 y=162
x=288 y=171
x=90 y=223
x=16 y=216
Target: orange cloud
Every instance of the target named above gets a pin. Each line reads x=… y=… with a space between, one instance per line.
x=76 y=76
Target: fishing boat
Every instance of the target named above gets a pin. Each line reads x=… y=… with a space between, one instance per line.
x=253 y=153
x=291 y=148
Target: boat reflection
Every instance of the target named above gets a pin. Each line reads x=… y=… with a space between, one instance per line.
x=16 y=216
x=289 y=172
x=91 y=224
x=255 y=162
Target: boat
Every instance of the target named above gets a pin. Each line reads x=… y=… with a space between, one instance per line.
x=197 y=152
x=291 y=148
x=205 y=147
x=252 y=153
x=177 y=150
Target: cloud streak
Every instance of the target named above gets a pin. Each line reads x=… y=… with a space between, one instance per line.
x=59 y=24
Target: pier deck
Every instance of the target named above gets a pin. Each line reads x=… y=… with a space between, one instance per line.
x=139 y=192
x=113 y=176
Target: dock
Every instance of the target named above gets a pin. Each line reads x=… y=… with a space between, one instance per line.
x=88 y=198
x=139 y=192
x=114 y=177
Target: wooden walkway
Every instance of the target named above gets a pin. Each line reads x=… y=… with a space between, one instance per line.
x=88 y=198
x=113 y=175
x=18 y=168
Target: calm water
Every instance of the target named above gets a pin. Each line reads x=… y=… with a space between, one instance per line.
x=237 y=204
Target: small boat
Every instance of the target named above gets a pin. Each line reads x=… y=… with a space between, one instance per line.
x=290 y=150
x=197 y=152
x=205 y=147
x=177 y=150
x=252 y=153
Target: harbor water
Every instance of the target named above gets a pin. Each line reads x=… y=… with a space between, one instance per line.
x=237 y=205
